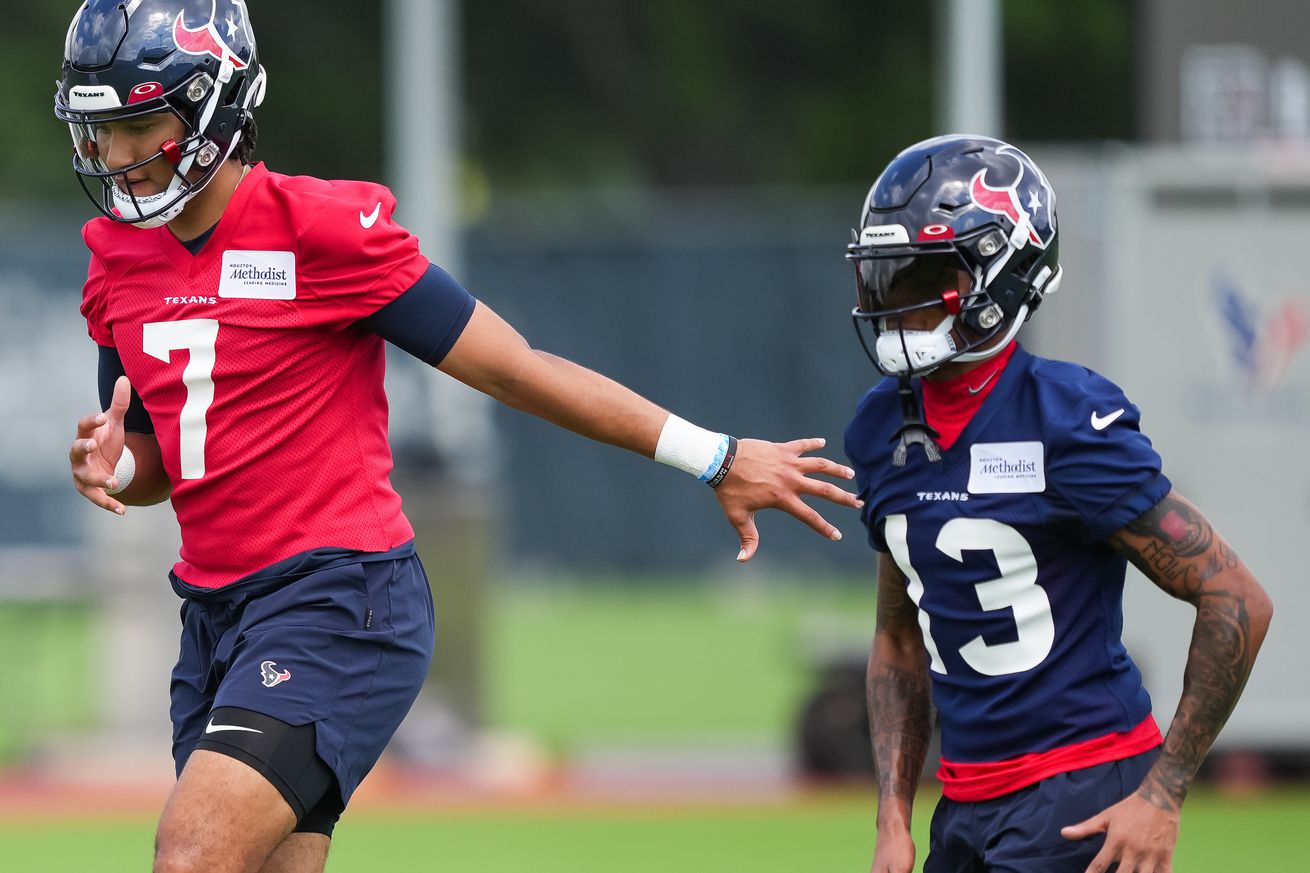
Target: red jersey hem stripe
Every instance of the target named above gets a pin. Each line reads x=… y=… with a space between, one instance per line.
x=973 y=782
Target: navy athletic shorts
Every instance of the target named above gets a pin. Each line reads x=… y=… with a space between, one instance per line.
x=1020 y=831
x=335 y=638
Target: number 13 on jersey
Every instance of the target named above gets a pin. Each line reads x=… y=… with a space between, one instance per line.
x=1016 y=588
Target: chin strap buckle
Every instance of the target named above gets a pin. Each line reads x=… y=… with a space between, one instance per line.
x=915 y=431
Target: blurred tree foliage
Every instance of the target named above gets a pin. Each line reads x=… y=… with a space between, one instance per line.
x=323 y=114
x=685 y=92
x=1070 y=70
x=657 y=92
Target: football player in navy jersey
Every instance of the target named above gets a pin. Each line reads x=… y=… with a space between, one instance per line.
x=1004 y=494
x=241 y=316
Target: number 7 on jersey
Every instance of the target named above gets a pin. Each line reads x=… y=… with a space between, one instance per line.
x=199 y=337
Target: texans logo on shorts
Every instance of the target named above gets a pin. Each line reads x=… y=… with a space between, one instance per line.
x=272 y=675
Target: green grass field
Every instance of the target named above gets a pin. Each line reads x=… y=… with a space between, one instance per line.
x=660 y=665
x=1220 y=835
x=670 y=662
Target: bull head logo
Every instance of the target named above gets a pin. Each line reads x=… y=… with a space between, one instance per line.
x=205 y=40
x=1007 y=201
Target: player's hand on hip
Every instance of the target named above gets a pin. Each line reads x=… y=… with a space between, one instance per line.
x=99 y=444
x=768 y=475
x=1139 y=835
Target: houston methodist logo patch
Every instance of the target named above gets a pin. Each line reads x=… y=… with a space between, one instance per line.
x=272 y=675
x=1007 y=468
x=258 y=275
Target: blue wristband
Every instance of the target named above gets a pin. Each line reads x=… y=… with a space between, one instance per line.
x=725 y=464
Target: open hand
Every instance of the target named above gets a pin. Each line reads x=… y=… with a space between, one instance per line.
x=99 y=444
x=769 y=475
x=1138 y=834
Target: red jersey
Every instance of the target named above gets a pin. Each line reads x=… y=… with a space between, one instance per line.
x=267 y=400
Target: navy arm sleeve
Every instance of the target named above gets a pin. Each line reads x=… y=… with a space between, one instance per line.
x=137 y=420
x=427 y=319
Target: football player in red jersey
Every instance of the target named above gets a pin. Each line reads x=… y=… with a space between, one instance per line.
x=241 y=317
x=1005 y=494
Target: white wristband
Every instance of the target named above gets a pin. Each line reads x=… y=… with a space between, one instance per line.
x=124 y=471
x=692 y=449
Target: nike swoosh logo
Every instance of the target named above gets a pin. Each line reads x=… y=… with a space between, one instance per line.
x=366 y=221
x=212 y=728
x=1101 y=422
x=983 y=385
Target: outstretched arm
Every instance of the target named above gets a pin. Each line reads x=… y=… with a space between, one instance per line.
x=492 y=357
x=900 y=716
x=1176 y=548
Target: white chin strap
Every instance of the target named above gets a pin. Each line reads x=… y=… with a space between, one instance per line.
x=132 y=209
x=918 y=350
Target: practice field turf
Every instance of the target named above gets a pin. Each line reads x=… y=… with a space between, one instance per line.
x=662 y=665
x=1220 y=835
x=668 y=662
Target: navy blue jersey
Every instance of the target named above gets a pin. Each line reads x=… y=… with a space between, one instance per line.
x=1002 y=543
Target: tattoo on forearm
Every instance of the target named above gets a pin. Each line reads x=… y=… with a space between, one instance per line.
x=895 y=608
x=900 y=717
x=1175 y=546
x=899 y=692
x=1218 y=664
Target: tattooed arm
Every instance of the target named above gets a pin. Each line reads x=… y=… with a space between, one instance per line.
x=1178 y=550
x=900 y=716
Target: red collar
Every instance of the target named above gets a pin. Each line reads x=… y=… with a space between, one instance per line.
x=950 y=404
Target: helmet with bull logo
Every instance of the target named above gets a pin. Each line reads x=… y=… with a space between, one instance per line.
x=126 y=59
x=944 y=205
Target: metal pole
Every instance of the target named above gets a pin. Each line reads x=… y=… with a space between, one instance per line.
x=446 y=502
x=422 y=80
x=421 y=47
x=970 y=53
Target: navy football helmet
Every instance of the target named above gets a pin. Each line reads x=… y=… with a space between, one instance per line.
x=125 y=58
x=953 y=203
